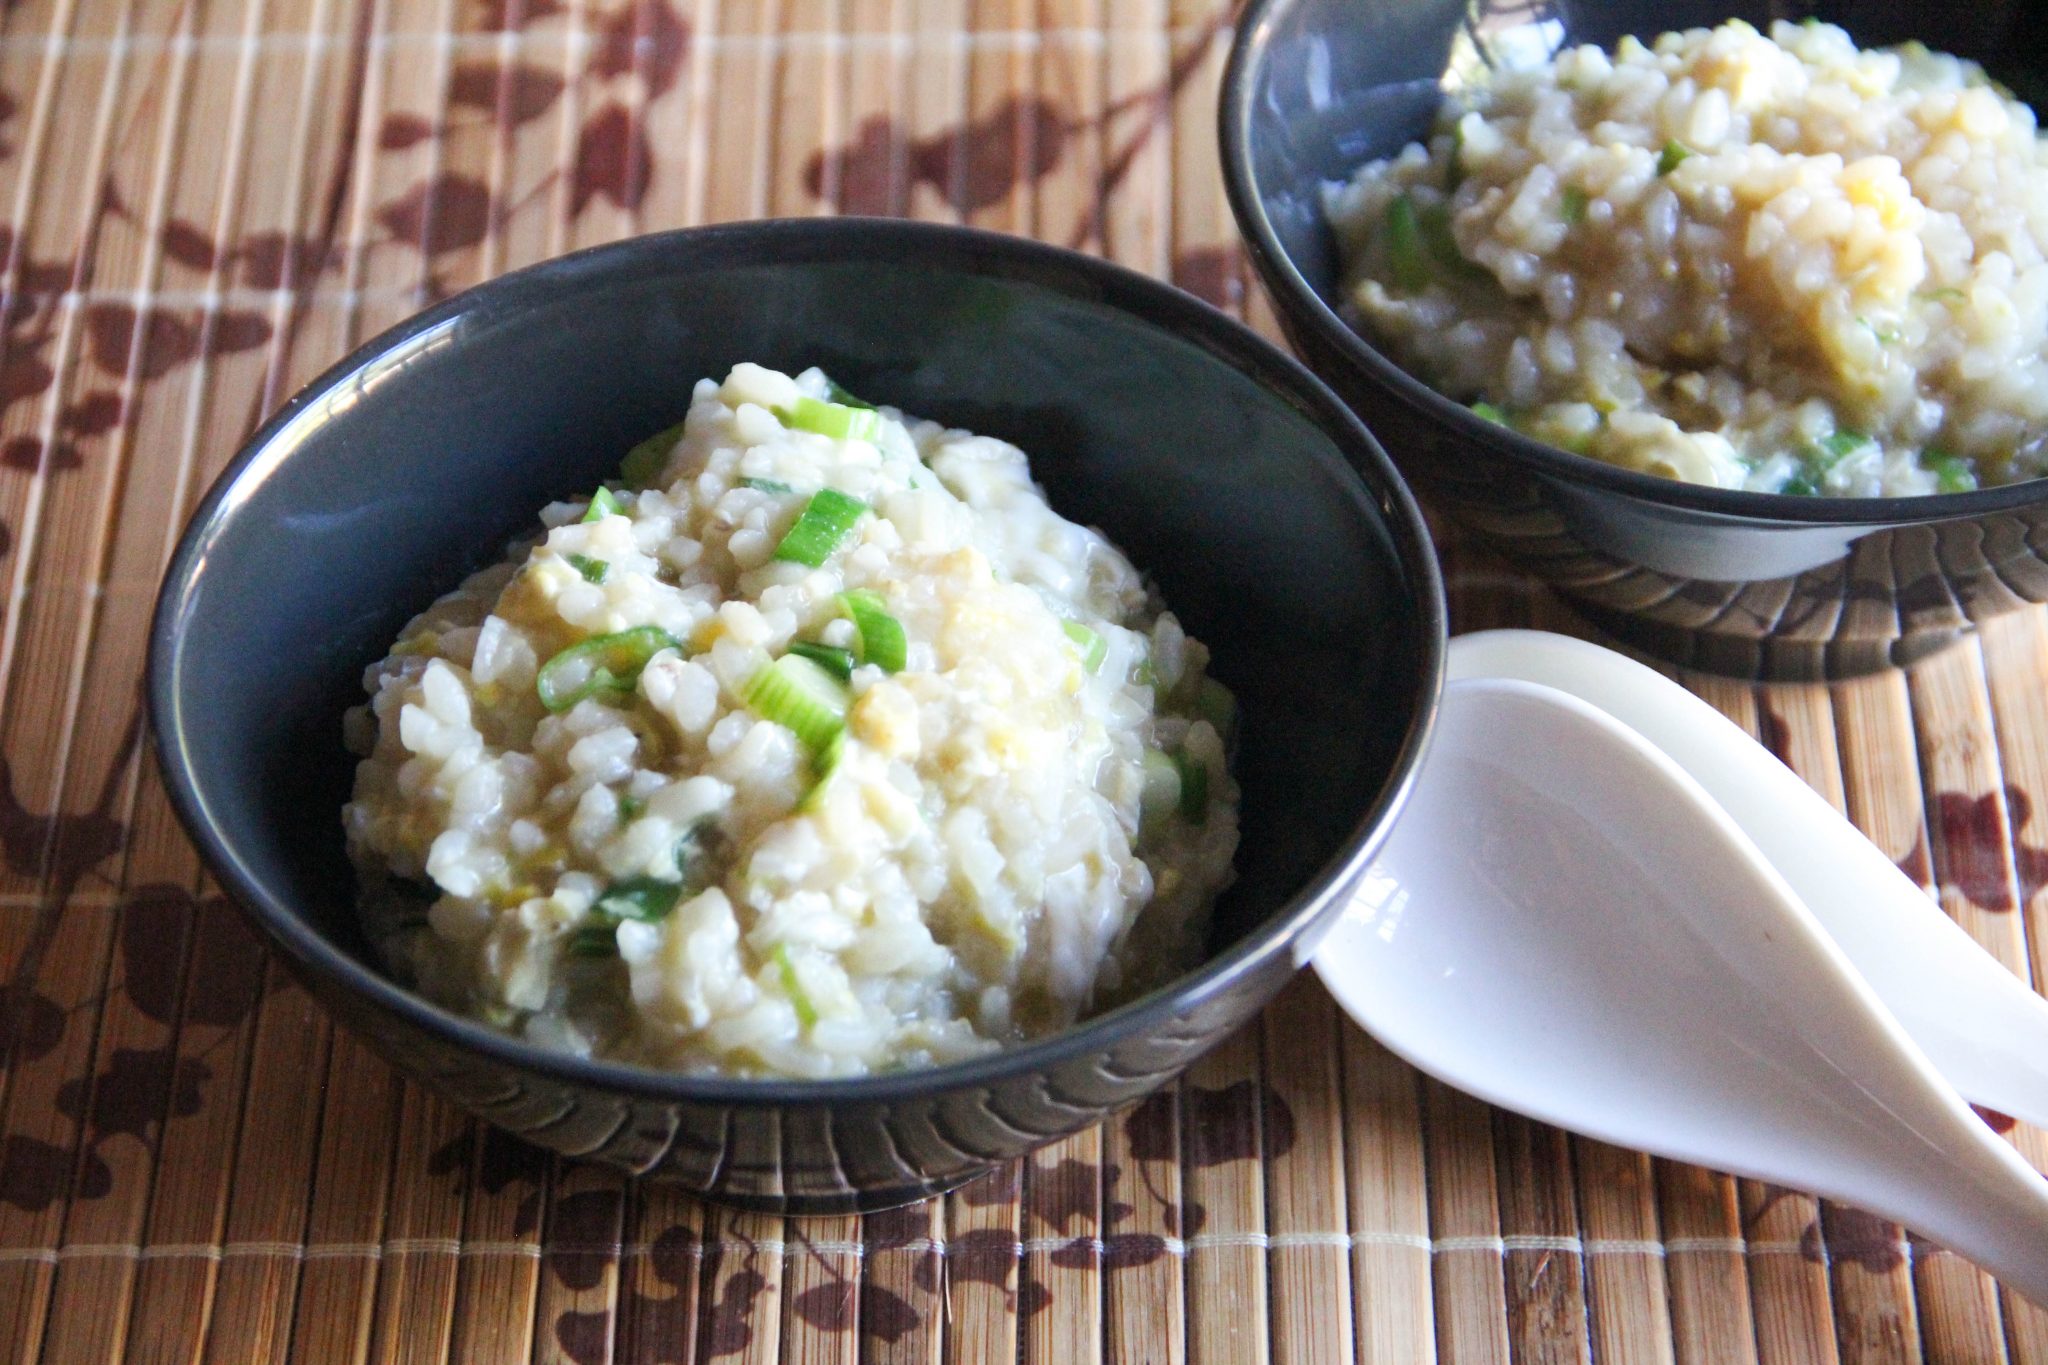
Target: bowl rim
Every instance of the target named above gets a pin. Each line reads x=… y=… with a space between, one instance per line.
x=1300 y=302
x=972 y=251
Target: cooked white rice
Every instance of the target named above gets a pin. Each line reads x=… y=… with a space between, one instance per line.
x=1000 y=841
x=1769 y=263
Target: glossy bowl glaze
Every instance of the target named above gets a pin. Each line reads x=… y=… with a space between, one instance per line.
x=1268 y=516
x=1749 y=584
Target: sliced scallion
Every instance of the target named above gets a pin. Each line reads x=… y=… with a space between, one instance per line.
x=766 y=485
x=1674 y=152
x=806 y=1012
x=1454 y=166
x=1487 y=412
x=1094 y=649
x=838 y=420
x=834 y=660
x=1572 y=208
x=631 y=808
x=604 y=666
x=1840 y=444
x=796 y=693
x=1434 y=223
x=1218 y=705
x=603 y=503
x=1194 y=787
x=644 y=462
x=826 y=519
x=845 y=398
x=881 y=639
x=595 y=940
x=1952 y=473
x=824 y=762
x=1405 y=250
x=594 y=571
x=1800 y=486
x=647 y=899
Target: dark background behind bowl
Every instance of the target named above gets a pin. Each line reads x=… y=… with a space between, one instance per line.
x=1196 y=448
x=1750 y=584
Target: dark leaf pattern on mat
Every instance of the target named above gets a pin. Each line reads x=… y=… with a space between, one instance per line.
x=500 y=1162
x=638 y=52
x=1999 y=1123
x=166 y=934
x=1975 y=836
x=982 y=162
x=588 y=1337
x=612 y=160
x=513 y=95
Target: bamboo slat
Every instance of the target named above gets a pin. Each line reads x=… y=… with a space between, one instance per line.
x=202 y=203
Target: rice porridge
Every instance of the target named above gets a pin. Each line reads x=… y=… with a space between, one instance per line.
x=1777 y=263
x=819 y=745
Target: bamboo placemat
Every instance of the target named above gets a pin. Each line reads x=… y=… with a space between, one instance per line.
x=205 y=201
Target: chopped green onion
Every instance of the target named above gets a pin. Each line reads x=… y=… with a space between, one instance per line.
x=1952 y=473
x=630 y=808
x=1145 y=675
x=796 y=693
x=1434 y=223
x=766 y=485
x=824 y=763
x=603 y=503
x=1094 y=649
x=1194 y=788
x=837 y=420
x=1218 y=706
x=1674 y=152
x=1404 y=245
x=1161 y=792
x=1800 y=486
x=826 y=519
x=595 y=940
x=1454 y=166
x=845 y=398
x=1573 y=207
x=1839 y=445
x=1946 y=294
x=604 y=666
x=1886 y=335
x=882 y=642
x=593 y=570
x=834 y=660
x=646 y=899
x=644 y=462
x=1487 y=412
x=806 y=1012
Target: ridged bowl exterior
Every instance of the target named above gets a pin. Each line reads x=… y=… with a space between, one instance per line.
x=1268 y=516
x=1747 y=584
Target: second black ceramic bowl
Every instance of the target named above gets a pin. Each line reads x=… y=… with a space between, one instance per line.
x=1271 y=520
x=1750 y=584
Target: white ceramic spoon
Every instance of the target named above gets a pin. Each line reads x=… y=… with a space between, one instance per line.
x=1980 y=1025
x=1547 y=929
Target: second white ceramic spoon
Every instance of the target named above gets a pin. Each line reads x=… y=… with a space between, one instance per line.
x=1547 y=929
x=1980 y=1024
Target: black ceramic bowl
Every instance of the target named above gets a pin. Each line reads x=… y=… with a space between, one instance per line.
x=1750 y=584
x=1271 y=520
